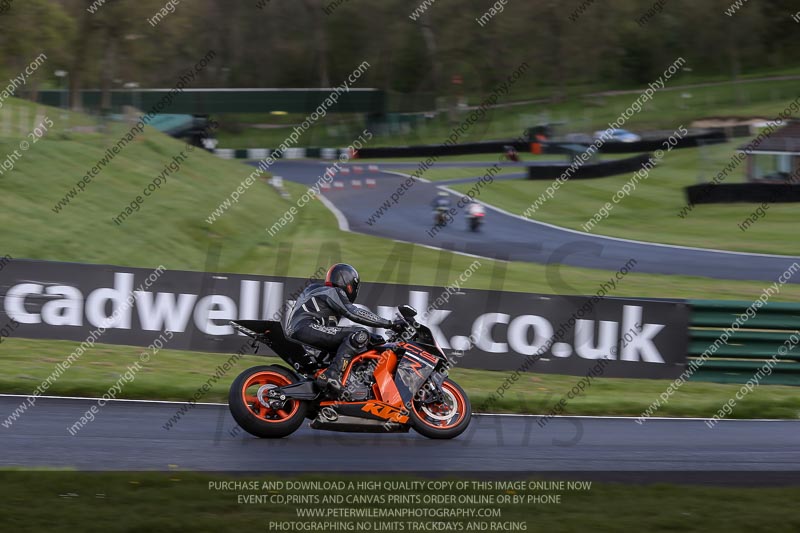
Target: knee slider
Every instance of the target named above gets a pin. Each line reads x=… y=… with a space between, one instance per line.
x=359 y=339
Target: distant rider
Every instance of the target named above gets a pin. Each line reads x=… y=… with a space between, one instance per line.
x=441 y=202
x=313 y=320
x=511 y=153
x=474 y=209
x=441 y=206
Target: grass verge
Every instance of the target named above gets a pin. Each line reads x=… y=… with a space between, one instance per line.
x=170 y=228
x=180 y=501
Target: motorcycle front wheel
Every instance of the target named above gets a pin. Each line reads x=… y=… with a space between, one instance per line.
x=446 y=419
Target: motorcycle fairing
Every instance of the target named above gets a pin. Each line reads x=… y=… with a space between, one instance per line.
x=391 y=390
x=414 y=368
x=359 y=417
x=369 y=409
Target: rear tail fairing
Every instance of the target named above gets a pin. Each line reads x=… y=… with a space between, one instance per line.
x=270 y=333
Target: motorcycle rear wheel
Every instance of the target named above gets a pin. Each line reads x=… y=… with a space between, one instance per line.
x=244 y=402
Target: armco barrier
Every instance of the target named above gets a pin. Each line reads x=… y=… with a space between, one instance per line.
x=292 y=153
x=749 y=347
x=599 y=169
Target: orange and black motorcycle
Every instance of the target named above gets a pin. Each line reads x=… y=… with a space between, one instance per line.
x=395 y=386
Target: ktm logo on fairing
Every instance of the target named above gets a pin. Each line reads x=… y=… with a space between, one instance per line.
x=385 y=411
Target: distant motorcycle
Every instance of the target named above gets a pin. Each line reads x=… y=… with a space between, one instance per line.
x=511 y=153
x=392 y=387
x=475 y=216
x=475 y=221
x=440 y=216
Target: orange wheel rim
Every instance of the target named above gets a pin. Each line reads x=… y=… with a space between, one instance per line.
x=446 y=414
x=260 y=382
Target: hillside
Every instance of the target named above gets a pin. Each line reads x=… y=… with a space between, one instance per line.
x=170 y=227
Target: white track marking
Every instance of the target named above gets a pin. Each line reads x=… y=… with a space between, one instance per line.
x=590 y=417
x=344 y=225
x=166 y=402
x=592 y=235
x=340 y=218
x=634 y=418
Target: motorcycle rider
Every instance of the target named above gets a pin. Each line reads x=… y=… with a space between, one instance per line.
x=313 y=320
x=474 y=214
x=510 y=153
x=474 y=209
x=441 y=204
x=442 y=201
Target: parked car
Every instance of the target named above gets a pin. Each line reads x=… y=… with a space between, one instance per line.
x=616 y=135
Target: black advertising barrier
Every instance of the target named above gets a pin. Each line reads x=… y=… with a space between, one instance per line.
x=549 y=147
x=648 y=145
x=715 y=193
x=599 y=169
x=439 y=150
x=54 y=300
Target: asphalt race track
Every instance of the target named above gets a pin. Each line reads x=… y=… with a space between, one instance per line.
x=509 y=237
x=129 y=435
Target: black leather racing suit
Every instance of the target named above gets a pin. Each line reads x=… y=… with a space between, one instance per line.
x=313 y=320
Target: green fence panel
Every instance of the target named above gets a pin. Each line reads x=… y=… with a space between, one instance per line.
x=755 y=341
x=759 y=321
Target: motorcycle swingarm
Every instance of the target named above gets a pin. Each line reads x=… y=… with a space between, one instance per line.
x=305 y=390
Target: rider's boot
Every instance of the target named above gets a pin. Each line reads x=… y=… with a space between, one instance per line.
x=331 y=378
